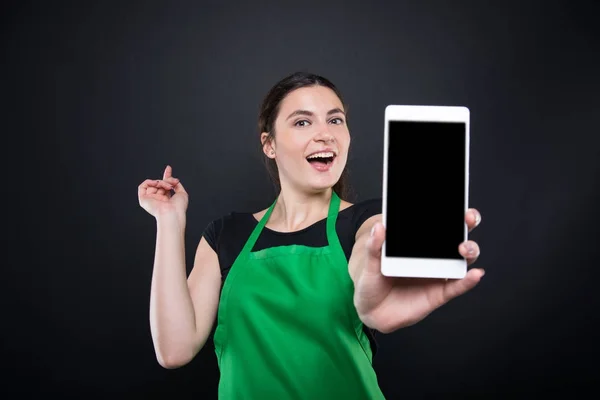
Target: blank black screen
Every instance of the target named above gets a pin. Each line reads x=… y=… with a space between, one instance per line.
x=426 y=189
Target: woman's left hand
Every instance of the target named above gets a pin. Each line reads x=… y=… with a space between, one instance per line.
x=390 y=303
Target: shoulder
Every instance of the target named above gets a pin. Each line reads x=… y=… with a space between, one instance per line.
x=233 y=219
x=361 y=211
x=225 y=225
x=374 y=202
x=352 y=216
x=362 y=215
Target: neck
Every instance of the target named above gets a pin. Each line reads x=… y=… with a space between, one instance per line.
x=295 y=210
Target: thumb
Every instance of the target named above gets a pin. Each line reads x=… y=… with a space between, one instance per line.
x=178 y=187
x=374 y=244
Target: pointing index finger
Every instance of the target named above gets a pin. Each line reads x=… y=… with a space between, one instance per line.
x=168 y=172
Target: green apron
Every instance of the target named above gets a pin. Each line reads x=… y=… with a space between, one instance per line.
x=287 y=327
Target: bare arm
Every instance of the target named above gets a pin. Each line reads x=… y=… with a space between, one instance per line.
x=182 y=310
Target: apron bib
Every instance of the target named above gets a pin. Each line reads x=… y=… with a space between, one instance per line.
x=287 y=327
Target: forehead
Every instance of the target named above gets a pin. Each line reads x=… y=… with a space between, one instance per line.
x=313 y=98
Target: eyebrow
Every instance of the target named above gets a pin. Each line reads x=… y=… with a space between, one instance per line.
x=310 y=113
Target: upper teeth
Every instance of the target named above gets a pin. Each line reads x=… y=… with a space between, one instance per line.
x=321 y=155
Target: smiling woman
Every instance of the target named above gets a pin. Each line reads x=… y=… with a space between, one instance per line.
x=287 y=274
x=300 y=116
x=295 y=289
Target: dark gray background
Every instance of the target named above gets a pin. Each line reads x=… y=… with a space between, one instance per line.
x=98 y=96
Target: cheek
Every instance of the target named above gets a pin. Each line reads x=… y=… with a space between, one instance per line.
x=343 y=138
x=344 y=144
x=291 y=147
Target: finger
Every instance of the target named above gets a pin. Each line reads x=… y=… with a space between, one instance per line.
x=168 y=172
x=163 y=185
x=154 y=186
x=470 y=251
x=374 y=245
x=178 y=187
x=146 y=186
x=472 y=218
x=454 y=288
x=171 y=180
x=148 y=183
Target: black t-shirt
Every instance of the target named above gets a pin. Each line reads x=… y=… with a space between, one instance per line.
x=228 y=235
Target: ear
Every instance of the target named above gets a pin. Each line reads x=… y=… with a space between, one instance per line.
x=268 y=145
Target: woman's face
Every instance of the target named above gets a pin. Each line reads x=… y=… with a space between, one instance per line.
x=311 y=139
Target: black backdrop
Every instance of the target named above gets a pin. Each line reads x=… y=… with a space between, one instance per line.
x=98 y=96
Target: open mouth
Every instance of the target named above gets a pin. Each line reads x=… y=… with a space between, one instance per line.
x=321 y=160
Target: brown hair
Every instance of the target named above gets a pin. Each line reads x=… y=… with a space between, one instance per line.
x=270 y=109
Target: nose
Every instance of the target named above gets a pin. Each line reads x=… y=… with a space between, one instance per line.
x=324 y=136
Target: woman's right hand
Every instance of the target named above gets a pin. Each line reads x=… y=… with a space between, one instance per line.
x=156 y=198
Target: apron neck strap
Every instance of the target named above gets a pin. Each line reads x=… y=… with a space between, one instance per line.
x=332 y=238
x=334 y=208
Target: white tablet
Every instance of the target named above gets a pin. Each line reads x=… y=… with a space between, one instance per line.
x=425 y=191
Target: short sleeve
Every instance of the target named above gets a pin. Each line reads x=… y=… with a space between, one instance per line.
x=212 y=232
x=364 y=211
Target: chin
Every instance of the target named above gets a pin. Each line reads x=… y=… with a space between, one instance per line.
x=322 y=185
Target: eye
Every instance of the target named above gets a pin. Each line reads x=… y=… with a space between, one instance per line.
x=338 y=121
x=301 y=123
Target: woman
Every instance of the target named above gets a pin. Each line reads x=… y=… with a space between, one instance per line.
x=294 y=288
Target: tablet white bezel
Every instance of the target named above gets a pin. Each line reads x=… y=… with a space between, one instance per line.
x=424 y=267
